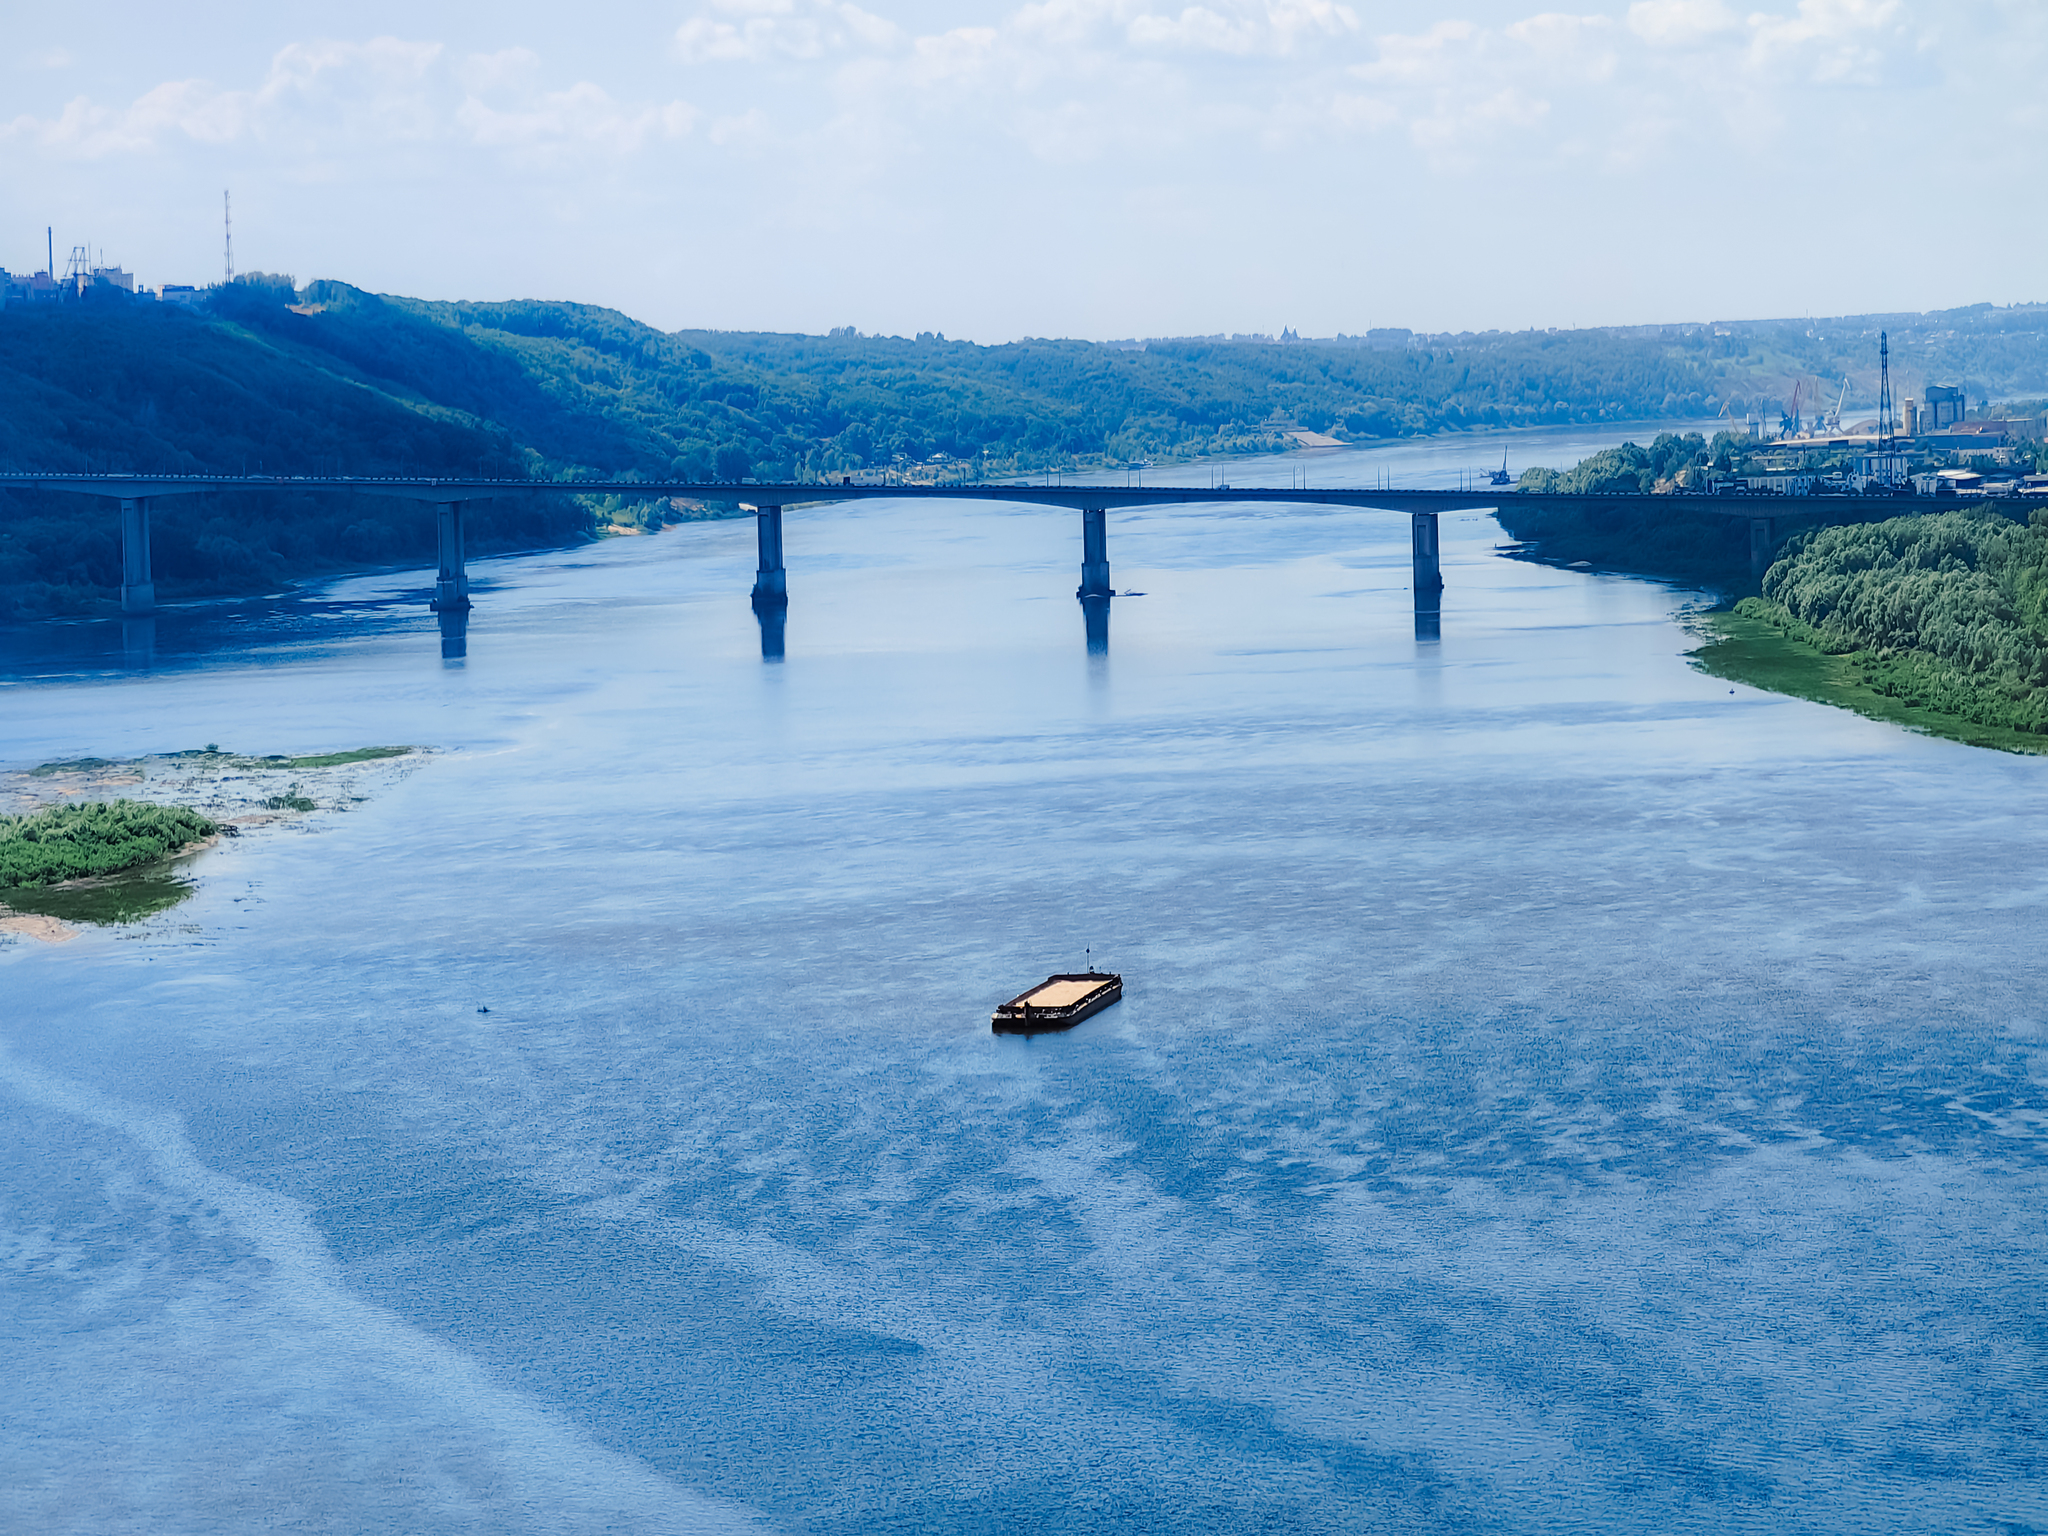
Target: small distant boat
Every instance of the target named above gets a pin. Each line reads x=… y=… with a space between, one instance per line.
x=1058 y=1002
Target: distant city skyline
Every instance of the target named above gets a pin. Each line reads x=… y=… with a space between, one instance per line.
x=1084 y=168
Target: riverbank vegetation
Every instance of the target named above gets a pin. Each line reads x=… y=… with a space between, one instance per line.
x=273 y=378
x=72 y=842
x=1939 y=621
x=1744 y=645
x=211 y=756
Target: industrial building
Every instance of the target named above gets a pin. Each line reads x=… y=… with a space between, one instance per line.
x=41 y=288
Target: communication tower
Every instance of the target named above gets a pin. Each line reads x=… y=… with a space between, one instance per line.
x=1887 y=424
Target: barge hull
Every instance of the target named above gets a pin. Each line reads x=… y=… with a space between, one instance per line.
x=1020 y=1016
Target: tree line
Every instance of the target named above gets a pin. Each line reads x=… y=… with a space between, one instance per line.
x=1949 y=611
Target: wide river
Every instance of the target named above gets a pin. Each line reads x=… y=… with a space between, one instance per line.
x=1553 y=1091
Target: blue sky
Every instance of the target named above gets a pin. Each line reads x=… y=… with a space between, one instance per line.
x=1072 y=167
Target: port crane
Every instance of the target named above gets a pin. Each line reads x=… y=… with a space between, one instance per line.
x=1788 y=420
x=1833 y=423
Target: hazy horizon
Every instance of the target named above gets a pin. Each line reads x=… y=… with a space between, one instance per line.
x=1273 y=336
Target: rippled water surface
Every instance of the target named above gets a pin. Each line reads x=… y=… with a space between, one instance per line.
x=1552 y=1092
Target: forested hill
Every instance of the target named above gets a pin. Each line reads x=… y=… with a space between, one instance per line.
x=329 y=378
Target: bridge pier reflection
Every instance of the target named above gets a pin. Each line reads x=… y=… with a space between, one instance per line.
x=1761 y=543
x=1095 y=620
x=138 y=587
x=454 y=624
x=774 y=619
x=138 y=642
x=1429 y=614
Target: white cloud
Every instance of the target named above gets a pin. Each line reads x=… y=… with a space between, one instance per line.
x=84 y=130
x=1426 y=58
x=584 y=114
x=1828 y=40
x=507 y=69
x=1681 y=23
x=1197 y=27
x=745 y=128
x=1574 y=48
x=1822 y=40
x=1621 y=90
x=1065 y=80
x=333 y=98
x=1268 y=28
x=777 y=29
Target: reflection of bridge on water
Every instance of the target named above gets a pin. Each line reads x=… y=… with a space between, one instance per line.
x=450 y=498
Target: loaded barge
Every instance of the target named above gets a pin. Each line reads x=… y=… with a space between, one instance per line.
x=1058 y=1002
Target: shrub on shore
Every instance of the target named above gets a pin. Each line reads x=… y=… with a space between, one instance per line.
x=68 y=842
x=1948 y=611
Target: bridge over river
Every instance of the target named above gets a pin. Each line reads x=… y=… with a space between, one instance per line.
x=449 y=498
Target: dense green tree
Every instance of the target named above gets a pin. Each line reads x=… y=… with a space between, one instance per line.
x=1948 y=610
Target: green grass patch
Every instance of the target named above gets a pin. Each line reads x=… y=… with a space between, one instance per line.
x=211 y=756
x=73 y=842
x=291 y=802
x=73 y=765
x=1748 y=648
x=336 y=759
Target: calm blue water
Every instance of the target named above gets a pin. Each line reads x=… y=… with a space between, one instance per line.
x=1553 y=1092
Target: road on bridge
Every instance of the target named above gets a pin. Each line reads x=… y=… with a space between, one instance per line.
x=767 y=500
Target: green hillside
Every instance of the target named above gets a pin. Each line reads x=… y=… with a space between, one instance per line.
x=159 y=389
x=331 y=379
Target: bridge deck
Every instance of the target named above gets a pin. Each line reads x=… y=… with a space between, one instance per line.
x=1078 y=497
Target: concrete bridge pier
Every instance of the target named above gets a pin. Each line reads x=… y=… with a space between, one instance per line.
x=771 y=581
x=1429 y=576
x=1094 y=553
x=138 y=588
x=1761 y=543
x=451 y=585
